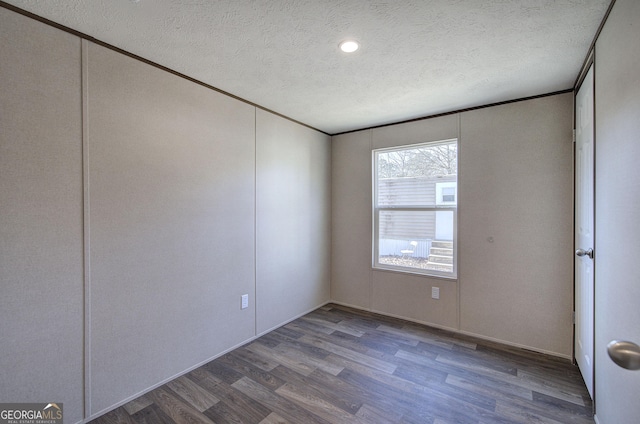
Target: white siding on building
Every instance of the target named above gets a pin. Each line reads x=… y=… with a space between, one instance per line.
x=409 y=191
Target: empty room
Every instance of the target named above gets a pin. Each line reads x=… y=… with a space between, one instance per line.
x=305 y=211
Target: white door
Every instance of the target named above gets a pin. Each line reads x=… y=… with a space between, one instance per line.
x=584 y=208
x=617 y=270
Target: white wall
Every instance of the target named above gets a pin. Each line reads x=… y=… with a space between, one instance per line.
x=515 y=184
x=129 y=202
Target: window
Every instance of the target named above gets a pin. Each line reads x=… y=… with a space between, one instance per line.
x=448 y=195
x=415 y=208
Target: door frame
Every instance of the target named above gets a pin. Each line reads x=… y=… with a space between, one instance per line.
x=587 y=66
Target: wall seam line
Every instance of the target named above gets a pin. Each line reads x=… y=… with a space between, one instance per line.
x=84 y=59
x=255 y=221
x=372 y=219
x=457 y=251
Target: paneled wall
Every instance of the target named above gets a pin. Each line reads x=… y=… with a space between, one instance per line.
x=353 y=281
x=407 y=295
x=41 y=250
x=129 y=202
x=351 y=237
x=171 y=220
x=515 y=185
x=293 y=220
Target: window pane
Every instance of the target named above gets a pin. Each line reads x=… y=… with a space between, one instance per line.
x=409 y=176
x=422 y=240
x=446 y=192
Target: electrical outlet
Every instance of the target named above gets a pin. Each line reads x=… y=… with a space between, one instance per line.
x=245 y=301
x=435 y=292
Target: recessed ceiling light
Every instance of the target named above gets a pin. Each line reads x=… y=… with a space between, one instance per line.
x=349 y=46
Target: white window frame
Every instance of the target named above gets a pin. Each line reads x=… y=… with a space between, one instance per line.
x=439 y=206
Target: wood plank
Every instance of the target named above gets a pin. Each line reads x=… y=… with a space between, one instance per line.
x=496 y=388
x=280 y=335
x=350 y=354
x=192 y=393
x=236 y=363
x=289 y=410
x=152 y=414
x=233 y=405
x=205 y=379
x=274 y=418
x=290 y=351
x=222 y=412
x=117 y=416
x=137 y=404
x=553 y=388
x=375 y=415
x=179 y=411
x=356 y=393
x=316 y=405
x=339 y=326
x=249 y=355
x=432 y=338
x=529 y=413
x=236 y=406
x=282 y=359
x=315 y=386
x=532 y=384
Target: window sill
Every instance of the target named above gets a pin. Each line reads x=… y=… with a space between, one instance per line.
x=416 y=273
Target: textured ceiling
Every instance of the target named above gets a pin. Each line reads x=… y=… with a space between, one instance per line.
x=417 y=58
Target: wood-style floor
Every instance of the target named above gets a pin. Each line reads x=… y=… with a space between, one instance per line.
x=341 y=365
